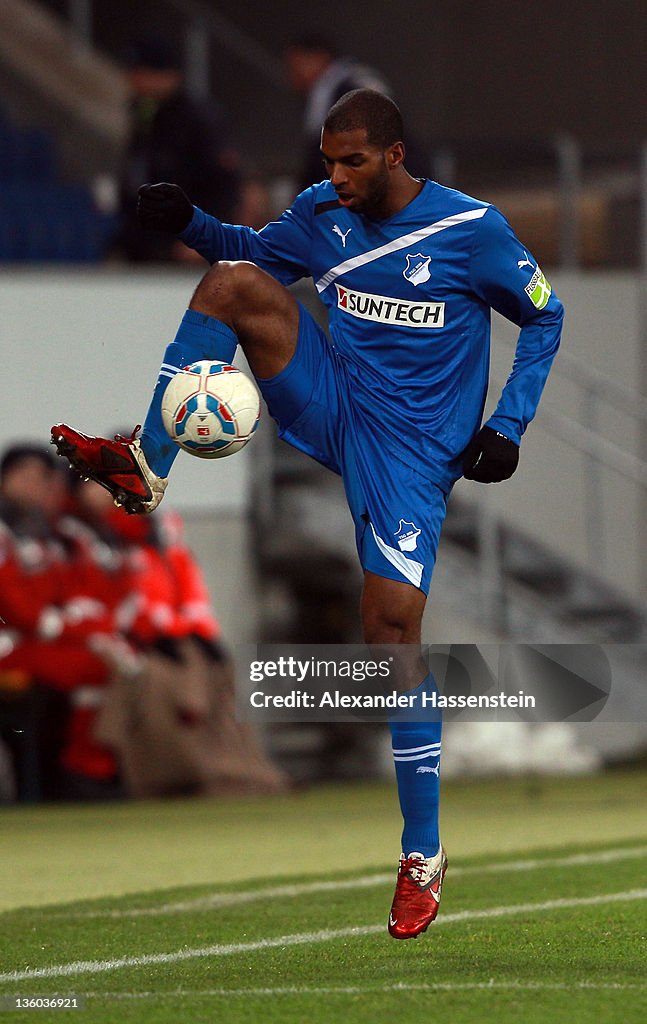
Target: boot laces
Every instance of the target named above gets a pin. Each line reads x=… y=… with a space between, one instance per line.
x=415 y=867
x=124 y=439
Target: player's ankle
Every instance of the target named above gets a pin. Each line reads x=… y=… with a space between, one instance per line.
x=159 y=451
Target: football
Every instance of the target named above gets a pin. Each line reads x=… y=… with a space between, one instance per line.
x=210 y=409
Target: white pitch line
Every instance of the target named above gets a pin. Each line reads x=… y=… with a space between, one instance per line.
x=438 y=986
x=305 y=938
x=232 y=899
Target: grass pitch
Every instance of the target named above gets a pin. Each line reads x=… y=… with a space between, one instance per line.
x=544 y=914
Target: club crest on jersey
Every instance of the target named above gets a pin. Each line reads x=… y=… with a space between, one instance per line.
x=407 y=536
x=417 y=269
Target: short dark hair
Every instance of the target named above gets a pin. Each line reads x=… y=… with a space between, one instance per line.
x=19 y=453
x=368 y=109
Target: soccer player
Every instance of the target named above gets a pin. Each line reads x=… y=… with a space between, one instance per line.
x=392 y=401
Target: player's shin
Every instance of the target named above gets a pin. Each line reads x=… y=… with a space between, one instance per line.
x=416 y=739
x=199 y=337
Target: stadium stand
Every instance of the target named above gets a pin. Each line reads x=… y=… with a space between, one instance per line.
x=43 y=218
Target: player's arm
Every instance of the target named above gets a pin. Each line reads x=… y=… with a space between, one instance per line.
x=509 y=280
x=282 y=248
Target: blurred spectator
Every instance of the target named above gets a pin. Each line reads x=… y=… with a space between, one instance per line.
x=49 y=615
x=316 y=69
x=103 y=579
x=176 y=139
x=113 y=678
x=173 y=723
x=26 y=553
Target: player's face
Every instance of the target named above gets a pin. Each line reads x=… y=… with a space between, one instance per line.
x=360 y=173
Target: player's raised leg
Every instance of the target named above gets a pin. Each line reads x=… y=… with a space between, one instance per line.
x=392 y=614
x=234 y=302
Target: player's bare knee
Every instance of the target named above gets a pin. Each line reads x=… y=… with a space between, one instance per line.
x=391 y=611
x=225 y=287
x=240 y=292
x=384 y=626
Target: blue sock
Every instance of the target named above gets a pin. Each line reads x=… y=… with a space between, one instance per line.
x=416 y=754
x=199 y=337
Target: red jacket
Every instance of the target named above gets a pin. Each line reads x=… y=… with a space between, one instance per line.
x=173 y=599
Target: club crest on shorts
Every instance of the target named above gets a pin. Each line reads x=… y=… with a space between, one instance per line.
x=407 y=536
x=417 y=269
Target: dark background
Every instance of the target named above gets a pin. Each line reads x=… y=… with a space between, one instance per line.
x=460 y=70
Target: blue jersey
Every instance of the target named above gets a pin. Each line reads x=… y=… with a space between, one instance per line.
x=409 y=302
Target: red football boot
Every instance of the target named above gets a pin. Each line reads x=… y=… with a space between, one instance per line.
x=417 y=894
x=120 y=466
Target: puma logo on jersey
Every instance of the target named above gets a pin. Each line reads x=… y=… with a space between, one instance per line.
x=427 y=769
x=342 y=234
x=538 y=289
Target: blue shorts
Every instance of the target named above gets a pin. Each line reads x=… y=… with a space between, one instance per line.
x=398 y=512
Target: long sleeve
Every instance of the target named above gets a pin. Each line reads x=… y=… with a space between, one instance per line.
x=282 y=247
x=508 y=278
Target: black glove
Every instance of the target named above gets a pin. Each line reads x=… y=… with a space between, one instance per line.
x=164 y=207
x=490 y=457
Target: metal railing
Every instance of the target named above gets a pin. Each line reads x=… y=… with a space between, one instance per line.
x=587 y=439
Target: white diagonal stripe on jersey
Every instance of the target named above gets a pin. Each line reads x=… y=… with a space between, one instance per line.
x=414 y=750
x=403 y=242
x=409 y=568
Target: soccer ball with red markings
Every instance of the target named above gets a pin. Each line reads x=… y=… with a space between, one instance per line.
x=210 y=409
